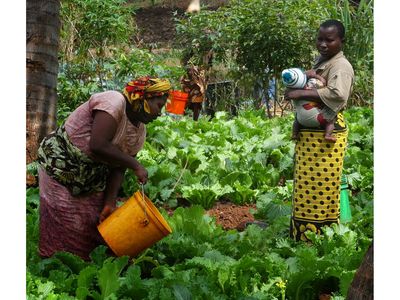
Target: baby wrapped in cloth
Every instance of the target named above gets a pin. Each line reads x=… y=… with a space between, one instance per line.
x=309 y=114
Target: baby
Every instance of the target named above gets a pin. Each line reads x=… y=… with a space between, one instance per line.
x=308 y=113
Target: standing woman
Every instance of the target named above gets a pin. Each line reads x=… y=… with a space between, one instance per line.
x=318 y=164
x=195 y=85
x=84 y=161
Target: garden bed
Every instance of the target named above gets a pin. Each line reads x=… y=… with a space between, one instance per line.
x=232 y=216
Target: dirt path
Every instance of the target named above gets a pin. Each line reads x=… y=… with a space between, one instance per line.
x=156 y=25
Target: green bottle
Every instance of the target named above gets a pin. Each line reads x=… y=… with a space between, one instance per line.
x=345 y=211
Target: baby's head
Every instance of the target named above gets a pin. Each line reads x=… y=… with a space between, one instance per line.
x=294 y=78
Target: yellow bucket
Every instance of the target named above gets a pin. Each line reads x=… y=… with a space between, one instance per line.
x=134 y=226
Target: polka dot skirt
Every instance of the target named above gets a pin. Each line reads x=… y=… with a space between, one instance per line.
x=317 y=177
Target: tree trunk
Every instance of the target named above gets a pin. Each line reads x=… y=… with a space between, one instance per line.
x=42 y=41
x=362 y=286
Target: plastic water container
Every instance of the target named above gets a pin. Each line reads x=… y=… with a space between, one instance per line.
x=177 y=102
x=345 y=211
x=134 y=226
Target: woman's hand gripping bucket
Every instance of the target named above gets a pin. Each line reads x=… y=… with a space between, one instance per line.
x=134 y=226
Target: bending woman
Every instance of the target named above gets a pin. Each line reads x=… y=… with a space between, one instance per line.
x=318 y=164
x=84 y=161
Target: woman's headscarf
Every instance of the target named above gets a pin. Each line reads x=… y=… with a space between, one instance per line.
x=138 y=90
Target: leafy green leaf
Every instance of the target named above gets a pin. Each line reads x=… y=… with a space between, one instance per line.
x=181 y=292
x=108 y=275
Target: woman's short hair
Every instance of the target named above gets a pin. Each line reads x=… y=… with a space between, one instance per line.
x=334 y=23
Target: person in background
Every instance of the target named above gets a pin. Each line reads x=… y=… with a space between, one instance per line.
x=82 y=163
x=194 y=84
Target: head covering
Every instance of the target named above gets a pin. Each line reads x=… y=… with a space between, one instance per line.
x=140 y=89
x=294 y=78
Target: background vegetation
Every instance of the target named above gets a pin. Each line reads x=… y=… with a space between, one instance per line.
x=249 y=40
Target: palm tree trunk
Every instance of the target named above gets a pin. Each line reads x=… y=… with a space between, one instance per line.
x=42 y=41
x=362 y=286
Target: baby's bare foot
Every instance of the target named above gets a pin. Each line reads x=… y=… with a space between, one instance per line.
x=330 y=138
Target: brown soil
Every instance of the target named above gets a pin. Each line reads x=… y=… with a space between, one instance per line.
x=31 y=181
x=226 y=214
x=232 y=216
x=156 y=25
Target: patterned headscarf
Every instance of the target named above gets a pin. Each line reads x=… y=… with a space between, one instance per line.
x=137 y=91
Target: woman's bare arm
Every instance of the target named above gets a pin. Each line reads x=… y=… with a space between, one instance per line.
x=114 y=181
x=300 y=94
x=103 y=130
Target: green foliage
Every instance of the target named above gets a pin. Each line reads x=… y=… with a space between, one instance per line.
x=358 y=163
x=204 y=195
x=42 y=289
x=91 y=32
x=78 y=80
x=275 y=203
x=140 y=62
x=202 y=33
x=199 y=260
x=32 y=168
x=32 y=224
x=94 y=25
x=241 y=160
x=273 y=35
x=233 y=158
x=75 y=85
x=358 y=20
x=67 y=274
x=96 y=53
x=261 y=38
x=206 y=161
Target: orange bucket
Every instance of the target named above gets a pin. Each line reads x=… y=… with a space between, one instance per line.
x=177 y=102
x=134 y=226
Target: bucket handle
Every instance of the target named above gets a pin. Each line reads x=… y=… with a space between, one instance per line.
x=145 y=221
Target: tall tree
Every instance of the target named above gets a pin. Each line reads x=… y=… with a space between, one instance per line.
x=42 y=41
x=362 y=286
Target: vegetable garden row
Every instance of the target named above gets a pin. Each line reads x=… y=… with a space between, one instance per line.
x=244 y=159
